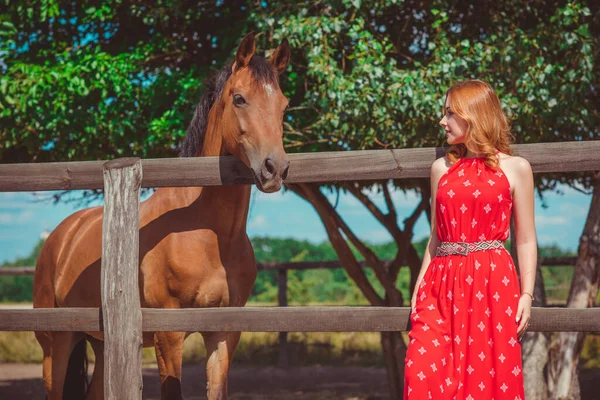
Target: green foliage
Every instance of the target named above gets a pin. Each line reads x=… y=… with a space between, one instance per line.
x=540 y=59
x=590 y=353
x=335 y=287
x=332 y=286
x=309 y=286
x=90 y=80
x=97 y=80
x=374 y=73
x=554 y=250
x=19 y=288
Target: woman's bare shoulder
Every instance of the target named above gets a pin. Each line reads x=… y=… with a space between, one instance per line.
x=517 y=169
x=440 y=166
x=514 y=164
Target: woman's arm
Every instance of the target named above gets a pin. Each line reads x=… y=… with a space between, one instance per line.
x=437 y=170
x=526 y=241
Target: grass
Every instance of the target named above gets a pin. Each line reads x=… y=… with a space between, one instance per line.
x=261 y=348
x=258 y=348
x=255 y=348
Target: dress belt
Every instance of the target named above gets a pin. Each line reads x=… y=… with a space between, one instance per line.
x=464 y=248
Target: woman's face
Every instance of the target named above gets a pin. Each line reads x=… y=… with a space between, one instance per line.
x=455 y=126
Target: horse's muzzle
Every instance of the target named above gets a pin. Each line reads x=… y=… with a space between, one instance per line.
x=272 y=173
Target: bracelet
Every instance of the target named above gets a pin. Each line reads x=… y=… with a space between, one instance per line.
x=529 y=294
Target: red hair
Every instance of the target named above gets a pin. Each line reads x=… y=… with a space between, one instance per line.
x=488 y=127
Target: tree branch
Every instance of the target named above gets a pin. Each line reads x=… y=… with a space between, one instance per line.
x=389 y=202
x=340 y=245
x=371 y=258
x=409 y=222
x=389 y=221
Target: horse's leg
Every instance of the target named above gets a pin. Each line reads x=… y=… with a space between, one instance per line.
x=96 y=391
x=45 y=341
x=220 y=347
x=57 y=347
x=169 y=353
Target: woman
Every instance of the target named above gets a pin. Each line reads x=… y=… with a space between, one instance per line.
x=468 y=310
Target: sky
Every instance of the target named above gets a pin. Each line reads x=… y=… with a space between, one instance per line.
x=23 y=218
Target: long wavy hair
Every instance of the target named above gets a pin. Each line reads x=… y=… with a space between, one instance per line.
x=488 y=129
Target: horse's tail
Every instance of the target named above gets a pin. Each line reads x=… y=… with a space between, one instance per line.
x=76 y=382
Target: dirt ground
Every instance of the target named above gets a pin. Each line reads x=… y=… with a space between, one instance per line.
x=22 y=381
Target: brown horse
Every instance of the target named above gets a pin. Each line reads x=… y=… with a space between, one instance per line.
x=194 y=250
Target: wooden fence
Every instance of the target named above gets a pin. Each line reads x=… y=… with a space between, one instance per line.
x=282 y=269
x=123 y=321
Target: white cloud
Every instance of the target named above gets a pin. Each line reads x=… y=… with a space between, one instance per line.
x=400 y=199
x=549 y=239
x=258 y=222
x=7 y=195
x=13 y=204
x=397 y=195
x=270 y=197
x=378 y=236
x=546 y=220
x=347 y=200
x=25 y=216
x=410 y=196
x=7 y=218
x=291 y=219
x=574 y=209
x=22 y=200
x=12 y=236
x=357 y=211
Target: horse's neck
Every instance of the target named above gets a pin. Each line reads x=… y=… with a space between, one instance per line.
x=228 y=203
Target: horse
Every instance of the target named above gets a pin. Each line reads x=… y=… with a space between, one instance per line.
x=193 y=247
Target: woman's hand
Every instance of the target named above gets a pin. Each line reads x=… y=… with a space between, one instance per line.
x=523 y=315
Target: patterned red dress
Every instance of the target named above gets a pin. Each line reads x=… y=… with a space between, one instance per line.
x=463 y=340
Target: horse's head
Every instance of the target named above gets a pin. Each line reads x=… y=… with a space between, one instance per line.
x=252 y=118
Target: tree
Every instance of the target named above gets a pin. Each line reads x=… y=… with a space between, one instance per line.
x=372 y=75
x=97 y=80
x=20 y=288
x=566 y=346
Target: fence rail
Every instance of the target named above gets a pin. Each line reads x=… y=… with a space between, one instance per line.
x=273 y=319
x=305 y=167
x=123 y=334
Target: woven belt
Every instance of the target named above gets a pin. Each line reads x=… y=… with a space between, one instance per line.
x=464 y=248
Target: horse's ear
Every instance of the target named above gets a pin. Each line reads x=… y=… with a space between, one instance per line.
x=244 y=53
x=281 y=56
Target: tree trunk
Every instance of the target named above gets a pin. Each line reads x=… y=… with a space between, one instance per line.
x=393 y=346
x=394 y=353
x=564 y=355
x=534 y=347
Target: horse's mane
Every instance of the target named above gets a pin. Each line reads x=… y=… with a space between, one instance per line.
x=262 y=72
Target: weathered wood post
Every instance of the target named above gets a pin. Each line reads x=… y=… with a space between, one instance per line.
x=282 y=300
x=121 y=312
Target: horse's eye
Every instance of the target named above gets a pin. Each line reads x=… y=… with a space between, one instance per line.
x=238 y=100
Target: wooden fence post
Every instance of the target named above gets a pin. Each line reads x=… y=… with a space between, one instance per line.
x=121 y=312
x=282 y=300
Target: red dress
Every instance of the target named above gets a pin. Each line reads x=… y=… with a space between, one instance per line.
x=463 y=340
